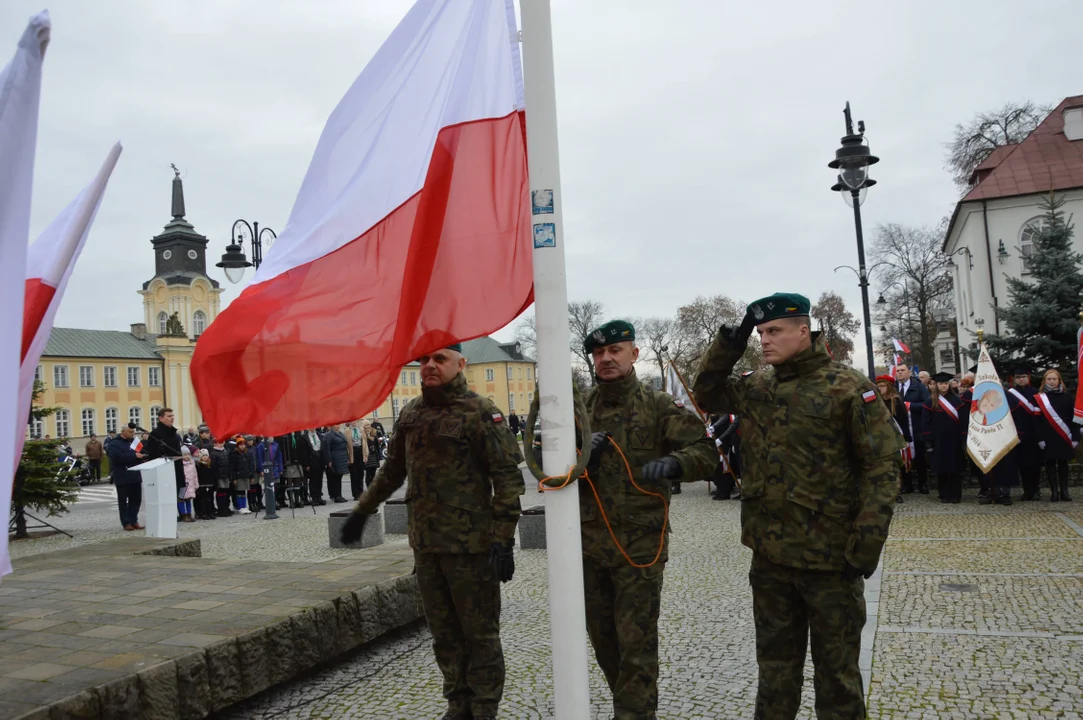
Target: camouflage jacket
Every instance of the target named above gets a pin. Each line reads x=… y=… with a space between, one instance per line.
x=646 y=425
x=462 y=464
x=820 y=456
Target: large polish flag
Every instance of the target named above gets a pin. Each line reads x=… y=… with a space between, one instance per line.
x=20 y=94
x=411 y=231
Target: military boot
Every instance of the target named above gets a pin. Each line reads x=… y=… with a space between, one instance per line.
x=1054 y=491
x=1064 y=496
x=456 y=715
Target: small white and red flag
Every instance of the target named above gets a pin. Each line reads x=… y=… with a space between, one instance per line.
x=900 y=346
x=411 y=231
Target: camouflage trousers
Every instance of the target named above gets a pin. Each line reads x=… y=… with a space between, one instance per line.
x=461 y=599
x=622 y=622
x=789 y=605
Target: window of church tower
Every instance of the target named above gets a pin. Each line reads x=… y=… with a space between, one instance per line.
x=154 y=377
x=199 y=323
x=162 y=320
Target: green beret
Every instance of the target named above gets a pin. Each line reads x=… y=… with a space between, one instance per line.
x=457 y=347
x=614 y=331
x=779 y=305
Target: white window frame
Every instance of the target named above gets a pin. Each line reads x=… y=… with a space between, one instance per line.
x=135 y=415
x=511 y=373
x=1026 y=244
x=88 y=371
x=154 y=411
x=154 y=376
x=529 y=372
x=138 y=376
x=112 y=420
x=199 y=323
x=39 y=373
x=395 y=407
x=403 y=382
x=58 y=381
x=490 y=376
x=107 y=371
x=413 y=377
x=87 y=420
x=62 y=418
x=37 y=429
x=163 y=318
x=511 y=402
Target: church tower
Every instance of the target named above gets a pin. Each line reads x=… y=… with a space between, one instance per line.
x=182 y=287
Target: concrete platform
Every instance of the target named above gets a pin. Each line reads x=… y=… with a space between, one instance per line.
x=144 y=628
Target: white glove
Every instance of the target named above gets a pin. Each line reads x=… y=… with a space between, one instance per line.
x=1075 y=443
x=1042 y=444
x=718 y=443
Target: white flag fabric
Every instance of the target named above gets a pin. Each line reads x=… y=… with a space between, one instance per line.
x=20 y=95
x=675 y=386
x=49 y=263
x=991 y=434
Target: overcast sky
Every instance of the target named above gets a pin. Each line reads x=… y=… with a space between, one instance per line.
x=694 y=134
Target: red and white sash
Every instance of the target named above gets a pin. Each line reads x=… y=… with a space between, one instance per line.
x=908 y=451
x=1053 y=418
x=1025 y=403
x=948 y=407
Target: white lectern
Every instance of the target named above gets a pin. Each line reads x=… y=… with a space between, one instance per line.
x=160 y=496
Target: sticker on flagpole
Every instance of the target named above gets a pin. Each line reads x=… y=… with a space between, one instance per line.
x=541 y=202
x=545 y=235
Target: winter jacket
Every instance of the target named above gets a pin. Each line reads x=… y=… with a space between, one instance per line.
x=94 y=450
x=121 y=458
x=337 y=452
x=276 y=459
x=1062 y=404
x=206 y=475
x=220 y=467
x=191 y=479
x=240 y=465
x=164 y=441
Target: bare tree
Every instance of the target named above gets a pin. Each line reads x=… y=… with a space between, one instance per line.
x=654 y=335
x=916 y=284
x=973 y=142
x=583 y=318
x=695 y=328
x=527 y=335
x=837 y=324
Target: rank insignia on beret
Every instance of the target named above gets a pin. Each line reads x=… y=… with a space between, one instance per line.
x=868 y=396
x=497 y=417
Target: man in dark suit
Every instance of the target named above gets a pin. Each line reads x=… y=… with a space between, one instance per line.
x=912 y=391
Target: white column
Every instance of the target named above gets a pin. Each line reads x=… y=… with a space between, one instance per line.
x=567 y=615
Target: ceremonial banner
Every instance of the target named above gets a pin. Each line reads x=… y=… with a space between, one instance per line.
x=20 y=94
x=992 y=432
x=411 y=231
x=675 y=386
x=1077 y=414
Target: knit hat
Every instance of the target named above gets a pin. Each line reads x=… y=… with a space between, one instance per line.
x=185 y=452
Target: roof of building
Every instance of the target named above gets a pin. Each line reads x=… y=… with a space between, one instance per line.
x=1046 y=160
x=70 y=342
x=991 y=162
x=487 y=350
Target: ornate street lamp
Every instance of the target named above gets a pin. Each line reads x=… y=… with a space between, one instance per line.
x=852 y=162
x=234 y=262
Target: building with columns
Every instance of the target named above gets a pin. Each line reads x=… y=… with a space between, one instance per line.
x=100 y=380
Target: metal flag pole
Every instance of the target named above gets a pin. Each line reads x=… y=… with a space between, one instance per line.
x=567 y=614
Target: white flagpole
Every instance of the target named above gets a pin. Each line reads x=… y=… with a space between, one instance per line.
x=567 y=614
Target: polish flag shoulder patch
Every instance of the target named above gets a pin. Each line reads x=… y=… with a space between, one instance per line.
x=868 y=396
x=497 y=417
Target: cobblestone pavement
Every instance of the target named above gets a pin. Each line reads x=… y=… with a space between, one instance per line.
x=979 y=615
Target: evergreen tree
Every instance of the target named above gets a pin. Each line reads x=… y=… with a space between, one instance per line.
x=1042 y=315
x=38 y=484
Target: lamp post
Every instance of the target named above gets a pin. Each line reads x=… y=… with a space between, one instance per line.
x=852 y=160
x=234 y=263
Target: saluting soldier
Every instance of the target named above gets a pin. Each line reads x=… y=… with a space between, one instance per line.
x=622 y=569
x=821 y=469
x=462 y=505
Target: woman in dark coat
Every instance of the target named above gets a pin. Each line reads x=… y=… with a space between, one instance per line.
x=897 y=407
x=337 y=456
x=944 y=433
x=1056 y=403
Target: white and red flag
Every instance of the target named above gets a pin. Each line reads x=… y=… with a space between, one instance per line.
x=49 y=264
x=900 y=346
x=411 y=231
x=676 y=387
x=20 y=95
x=1077 y=413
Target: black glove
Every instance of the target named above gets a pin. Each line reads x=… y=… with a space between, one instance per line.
x=502 y=558
x=353 y=528
x=740 y=334
x=599 y=443
x=665 y=467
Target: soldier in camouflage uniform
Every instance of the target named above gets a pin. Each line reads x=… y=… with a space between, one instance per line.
x=821 y=468
x=663 y=442
x=462 y=502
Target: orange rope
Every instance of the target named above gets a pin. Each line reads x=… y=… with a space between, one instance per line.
x=542 y=487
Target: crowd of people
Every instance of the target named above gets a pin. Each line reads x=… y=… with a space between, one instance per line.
x=217 y=477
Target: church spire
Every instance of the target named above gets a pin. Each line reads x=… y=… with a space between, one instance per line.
x=178 y=194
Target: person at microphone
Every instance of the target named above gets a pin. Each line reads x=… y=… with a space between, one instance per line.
x=164 y=441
